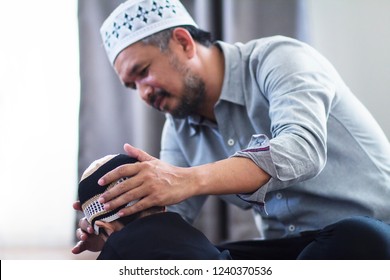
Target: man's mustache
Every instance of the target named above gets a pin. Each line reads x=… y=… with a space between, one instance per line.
x=158 y=94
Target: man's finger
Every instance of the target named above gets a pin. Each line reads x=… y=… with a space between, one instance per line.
x=125 y=170
x=137 y=153
x=77 y=205
x=137 y=207
x=81 y=235
x=118 y=190
x=122 y=194
x=78 y=248
x=85 y=226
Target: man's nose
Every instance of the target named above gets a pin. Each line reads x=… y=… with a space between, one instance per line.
x=145 y=92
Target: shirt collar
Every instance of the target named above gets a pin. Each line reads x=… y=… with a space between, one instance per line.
x=195 y=121
x=232 y=87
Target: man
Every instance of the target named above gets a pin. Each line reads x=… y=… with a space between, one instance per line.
x=268 y=124
x=152 y=234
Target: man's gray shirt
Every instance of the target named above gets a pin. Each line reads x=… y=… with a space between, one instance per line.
x=284 y=106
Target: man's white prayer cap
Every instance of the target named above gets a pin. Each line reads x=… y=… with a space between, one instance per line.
x=135 y=20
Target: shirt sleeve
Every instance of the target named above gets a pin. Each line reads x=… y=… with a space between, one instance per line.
x=295 y=81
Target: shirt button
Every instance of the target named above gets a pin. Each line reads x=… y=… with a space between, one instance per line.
x=279 y=195
x=230 y=142
x=291 y=227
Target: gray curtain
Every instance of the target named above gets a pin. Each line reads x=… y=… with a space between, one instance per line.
x=110 y=115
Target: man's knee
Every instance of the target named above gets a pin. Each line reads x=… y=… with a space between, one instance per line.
x=351 y=238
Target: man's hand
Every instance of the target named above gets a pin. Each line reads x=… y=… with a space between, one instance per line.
x=152 y=181
x=88 y=240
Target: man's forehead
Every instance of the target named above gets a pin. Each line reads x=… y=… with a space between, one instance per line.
x=134 y=55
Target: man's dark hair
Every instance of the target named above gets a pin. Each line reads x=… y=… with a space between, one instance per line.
x=161 y=39
x=199 y=35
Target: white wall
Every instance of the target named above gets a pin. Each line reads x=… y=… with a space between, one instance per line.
x=355 y=36
x=39 y=96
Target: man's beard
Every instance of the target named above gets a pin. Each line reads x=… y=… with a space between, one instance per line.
x=193 y=95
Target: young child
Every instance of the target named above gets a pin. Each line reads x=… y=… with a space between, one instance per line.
x=153 y=234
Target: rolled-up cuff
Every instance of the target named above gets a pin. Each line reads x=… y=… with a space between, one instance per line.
x=258 y=151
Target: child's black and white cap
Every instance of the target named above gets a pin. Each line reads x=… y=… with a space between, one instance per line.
x=89 y=190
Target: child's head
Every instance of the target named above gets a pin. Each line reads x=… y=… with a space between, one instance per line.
x=89 y=190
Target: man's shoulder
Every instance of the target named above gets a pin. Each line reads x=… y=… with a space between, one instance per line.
x=260 y=41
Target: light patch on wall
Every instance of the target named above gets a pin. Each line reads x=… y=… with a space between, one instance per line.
x=39 y=100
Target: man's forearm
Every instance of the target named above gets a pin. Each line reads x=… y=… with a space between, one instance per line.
x=229 y=176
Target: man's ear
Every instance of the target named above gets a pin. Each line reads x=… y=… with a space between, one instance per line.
x=184 y=39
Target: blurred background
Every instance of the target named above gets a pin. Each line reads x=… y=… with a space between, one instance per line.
x=61 y=105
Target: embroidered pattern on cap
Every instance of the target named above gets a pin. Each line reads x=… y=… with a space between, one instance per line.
x=135 y=20
x=140 y=18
